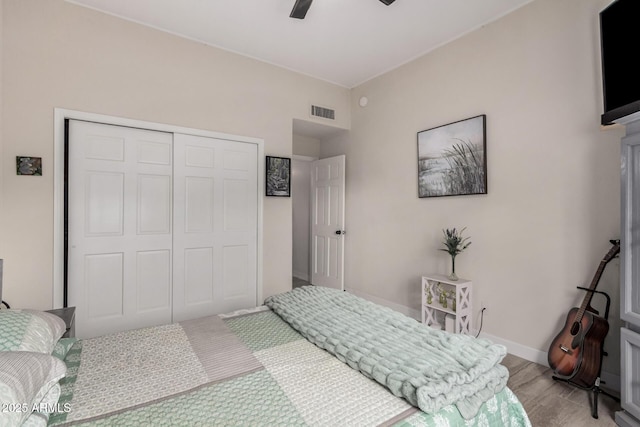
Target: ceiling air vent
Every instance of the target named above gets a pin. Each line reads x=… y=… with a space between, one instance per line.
x=325 y=113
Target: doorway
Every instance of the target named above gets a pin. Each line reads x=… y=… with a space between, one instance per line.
x=301 y=207
x=318 y=193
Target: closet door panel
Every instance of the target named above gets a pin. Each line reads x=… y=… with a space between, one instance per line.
x=236 y=210
x=120 y=227
x=154 y=204
x=198 y=204
x=154 y=281
x=239 y=219
x=235 y=279
x=215 y=212
x=198 y=276
x=104 y=282
x=104 y=204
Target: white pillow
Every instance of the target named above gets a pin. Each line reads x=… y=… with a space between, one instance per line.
x=44 y=409
x=25 y=379
x=30 y=330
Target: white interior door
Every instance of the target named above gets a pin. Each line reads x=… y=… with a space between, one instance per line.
x=215 y=227
x=327 y=222
x=120 y=227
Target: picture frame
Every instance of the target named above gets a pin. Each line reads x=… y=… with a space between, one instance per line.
x=278 y=176
x=452 y=159
x=26 y=165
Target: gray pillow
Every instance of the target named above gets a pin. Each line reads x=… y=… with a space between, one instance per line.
x=25 y=379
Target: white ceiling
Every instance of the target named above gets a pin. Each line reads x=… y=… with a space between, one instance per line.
x=346 y=42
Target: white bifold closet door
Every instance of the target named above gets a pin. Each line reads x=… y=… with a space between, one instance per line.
x=215 y=234
x=162 y=227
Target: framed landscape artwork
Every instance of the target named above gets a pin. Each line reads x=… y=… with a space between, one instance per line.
x=278 y=176
x=452 y=159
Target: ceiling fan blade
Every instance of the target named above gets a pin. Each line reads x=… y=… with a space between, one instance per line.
x=387 y=2
x=300 y=9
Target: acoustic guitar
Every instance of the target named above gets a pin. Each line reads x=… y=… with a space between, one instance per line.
x=576 y=352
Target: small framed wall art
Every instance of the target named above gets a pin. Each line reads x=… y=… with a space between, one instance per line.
x=278 y=176
x=452 y=159
x=29 y=165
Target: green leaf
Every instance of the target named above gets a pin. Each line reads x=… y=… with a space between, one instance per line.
x=454 y=242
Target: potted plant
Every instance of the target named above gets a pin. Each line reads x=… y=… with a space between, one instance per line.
x=454 y=244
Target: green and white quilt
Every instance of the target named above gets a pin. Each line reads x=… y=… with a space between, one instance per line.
x=430 y=369
x=244 y=369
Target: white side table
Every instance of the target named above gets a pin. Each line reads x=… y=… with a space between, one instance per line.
x=459 y=306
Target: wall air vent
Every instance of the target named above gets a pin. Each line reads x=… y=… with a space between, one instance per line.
x=322 y=112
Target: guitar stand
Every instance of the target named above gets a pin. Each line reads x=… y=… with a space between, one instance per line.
x=595 y=388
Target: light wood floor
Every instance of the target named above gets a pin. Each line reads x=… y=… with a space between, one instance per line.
x=551 y=403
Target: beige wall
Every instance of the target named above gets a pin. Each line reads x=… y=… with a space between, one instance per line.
x=60 y=55
x=553 y=173
x=306 y=146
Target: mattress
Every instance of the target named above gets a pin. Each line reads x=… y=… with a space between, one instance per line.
x=242 y=369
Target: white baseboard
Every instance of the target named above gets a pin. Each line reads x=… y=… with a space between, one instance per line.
x=612 y=381
x=527 y=353
x=392 y=305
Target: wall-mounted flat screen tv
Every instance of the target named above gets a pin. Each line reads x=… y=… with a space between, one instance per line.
x=620 y=42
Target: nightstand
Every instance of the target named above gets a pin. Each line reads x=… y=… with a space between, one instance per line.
x=456 y=302
x=67 y=314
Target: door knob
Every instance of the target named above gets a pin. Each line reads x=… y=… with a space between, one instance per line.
x=339 y=232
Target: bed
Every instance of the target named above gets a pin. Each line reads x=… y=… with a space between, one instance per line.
x=312 y=356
